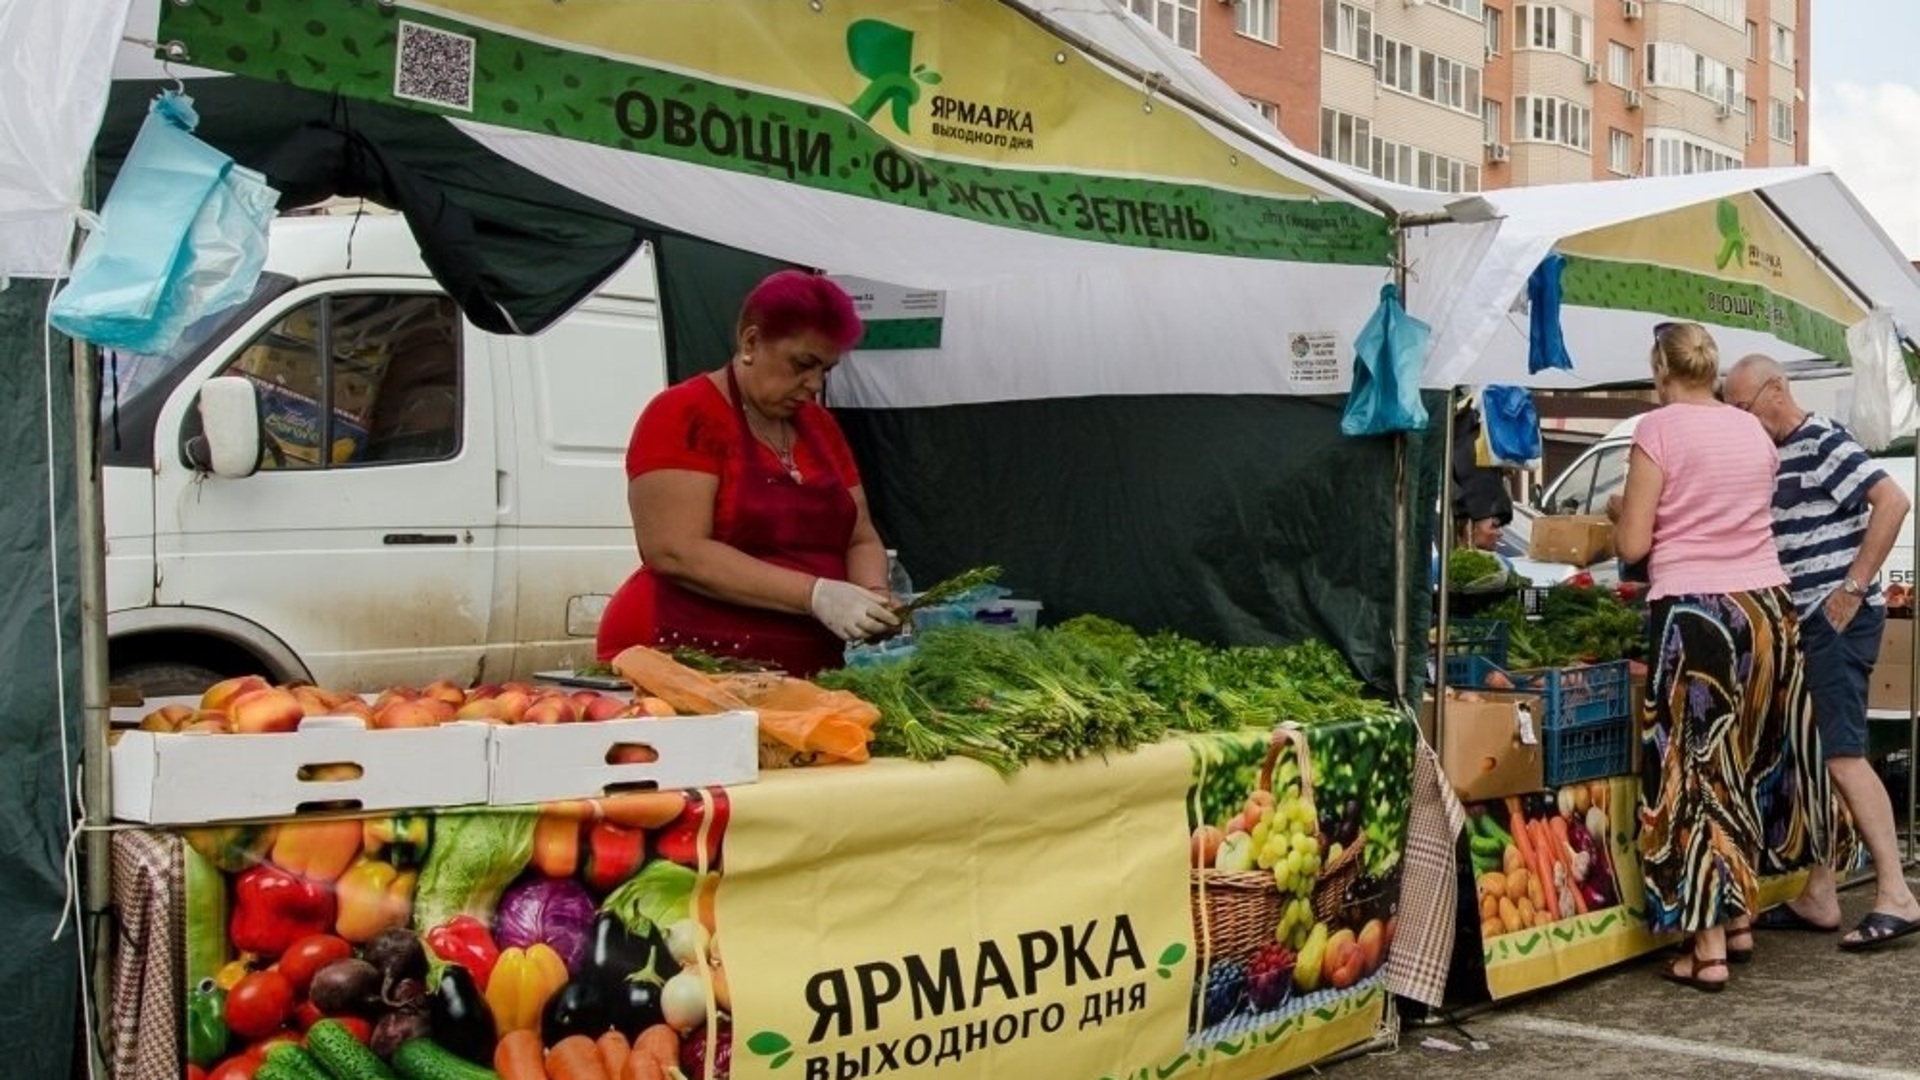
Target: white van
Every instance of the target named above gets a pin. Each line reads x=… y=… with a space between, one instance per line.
x=459 y=512
x=1583 y=487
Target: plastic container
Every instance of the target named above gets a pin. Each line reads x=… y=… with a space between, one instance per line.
x=1468 y=638
x=898 y=582
x=1021 y=614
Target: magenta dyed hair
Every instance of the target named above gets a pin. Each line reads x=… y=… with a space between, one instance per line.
x=793 y=301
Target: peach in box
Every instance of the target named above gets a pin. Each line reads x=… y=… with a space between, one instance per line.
x=263 y=711
x=221 y=695
x=551 y=709
x=417 y=713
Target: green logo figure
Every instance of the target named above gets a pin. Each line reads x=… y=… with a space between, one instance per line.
x=883 y=53
x=1733 y=238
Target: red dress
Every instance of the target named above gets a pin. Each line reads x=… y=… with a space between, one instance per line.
x=802 y=524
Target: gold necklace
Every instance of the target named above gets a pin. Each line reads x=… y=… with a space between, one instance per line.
x=784 y=453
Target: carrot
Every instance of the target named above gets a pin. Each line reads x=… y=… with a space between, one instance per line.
x=614 y=1049
x=642 y=1065
x=1543 y=846
x=518 y=1056
x=662 y=1042
x=642 y=809
x=575 y=1057
x=1558 y=826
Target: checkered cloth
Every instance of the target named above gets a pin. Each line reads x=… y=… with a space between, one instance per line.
x=149 y=883
x=1429 y=897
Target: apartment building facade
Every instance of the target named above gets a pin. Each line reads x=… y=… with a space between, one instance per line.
x=1469 y=95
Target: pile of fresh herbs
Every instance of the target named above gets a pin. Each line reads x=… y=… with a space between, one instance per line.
x=1090 y=685
x=1577 y=625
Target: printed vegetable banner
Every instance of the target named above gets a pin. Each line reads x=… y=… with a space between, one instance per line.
x=925 y=920
x=527 y=943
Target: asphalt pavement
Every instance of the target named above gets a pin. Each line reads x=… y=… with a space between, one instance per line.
x=1803 y=1008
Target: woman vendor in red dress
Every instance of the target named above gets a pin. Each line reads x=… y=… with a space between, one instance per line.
x=754 y=536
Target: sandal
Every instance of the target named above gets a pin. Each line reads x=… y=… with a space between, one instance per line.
x=1734 y=955
x=1692 y=979
x=1877 y=928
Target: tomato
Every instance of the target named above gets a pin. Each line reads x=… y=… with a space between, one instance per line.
x=235 y=1068
x=305 y=1015
x=258 y=1004
x=258 y=1051
x=308 y=955
x=195 y=1072
x=361 y=1030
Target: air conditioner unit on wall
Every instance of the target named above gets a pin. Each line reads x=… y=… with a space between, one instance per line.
x=1632 y=9
x=1633 y=99
x=1496 y=152
x=1723 y=110
x=1593 y=73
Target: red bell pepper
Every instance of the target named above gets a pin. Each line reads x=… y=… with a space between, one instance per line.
x=272 y=909
x=465 y=940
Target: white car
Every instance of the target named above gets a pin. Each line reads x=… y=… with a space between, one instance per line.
x=1583 y=487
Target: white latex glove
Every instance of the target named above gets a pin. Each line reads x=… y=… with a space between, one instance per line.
x=851 y=612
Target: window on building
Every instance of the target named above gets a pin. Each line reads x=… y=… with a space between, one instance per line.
x=1553 y=120
x=1490 y=120
x=1178 y=19
x=1753 y=119
x=1619 y=63
x=1683 y=68
x=1753 y=40
x=1780 y=120
x=1470 y=8
x=1492 y=18
x=1542 y=26
x=1347 y=30
x=1258 y=19
x=1347 y=139
x=1782 y=45
x=1727 y=11
x=1620 y=151
x=1400 y=66
x=1403 y=164
x=1674 y=153
x=1267 y=109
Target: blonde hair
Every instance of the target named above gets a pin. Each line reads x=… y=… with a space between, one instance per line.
x=1685 y=353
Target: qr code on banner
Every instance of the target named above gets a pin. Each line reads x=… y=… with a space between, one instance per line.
x=434 y=67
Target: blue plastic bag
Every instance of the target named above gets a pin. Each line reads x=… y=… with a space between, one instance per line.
x=1546 y=342
x=182 y=235
x=1511 y=425
x=1386 y=372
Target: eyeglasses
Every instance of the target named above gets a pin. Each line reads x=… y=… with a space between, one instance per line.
x=1747 y=406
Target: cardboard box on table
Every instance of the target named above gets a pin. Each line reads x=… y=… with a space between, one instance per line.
x=1573 y=539
x=1892 y=682
x=1490 y=745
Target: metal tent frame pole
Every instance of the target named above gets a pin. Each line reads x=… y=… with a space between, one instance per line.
x=97 y=787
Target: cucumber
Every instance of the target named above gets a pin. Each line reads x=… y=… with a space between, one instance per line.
x=424 y=1059
x=343 y=1056
x=288 y=1062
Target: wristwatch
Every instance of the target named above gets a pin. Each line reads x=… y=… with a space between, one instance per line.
x=1853 y=588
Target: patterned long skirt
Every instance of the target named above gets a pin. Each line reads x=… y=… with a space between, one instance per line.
x=1733 y=785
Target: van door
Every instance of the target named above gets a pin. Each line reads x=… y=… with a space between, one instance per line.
x=366 y=540
x=576 y=396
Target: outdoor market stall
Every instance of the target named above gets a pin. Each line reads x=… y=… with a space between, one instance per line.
x=1777 y=261
x=1225 y=231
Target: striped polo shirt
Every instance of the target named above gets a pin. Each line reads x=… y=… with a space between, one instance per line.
x=1820 y=509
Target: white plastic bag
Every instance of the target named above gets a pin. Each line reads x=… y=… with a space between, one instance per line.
x=1884 y=404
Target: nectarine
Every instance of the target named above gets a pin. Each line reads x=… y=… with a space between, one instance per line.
x=266 y=710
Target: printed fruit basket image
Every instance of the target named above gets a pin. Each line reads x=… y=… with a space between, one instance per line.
x=1295 y=849
x=569 y=941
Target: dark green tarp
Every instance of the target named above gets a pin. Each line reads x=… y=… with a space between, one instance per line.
x=1236 y=520
x=39 y=636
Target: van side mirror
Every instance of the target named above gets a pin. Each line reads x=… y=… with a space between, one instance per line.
x=229 y=443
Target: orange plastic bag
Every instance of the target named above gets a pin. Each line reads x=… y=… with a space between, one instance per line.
x=800 y=723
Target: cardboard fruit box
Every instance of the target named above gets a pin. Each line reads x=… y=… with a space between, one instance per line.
x=1490 y=745
x=331 y=762
x=1574 y=539
x=544 y=763
x=1892 y=683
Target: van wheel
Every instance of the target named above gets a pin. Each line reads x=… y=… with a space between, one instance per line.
x=164 y=679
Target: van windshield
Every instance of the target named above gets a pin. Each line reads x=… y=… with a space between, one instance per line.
x=133 y=386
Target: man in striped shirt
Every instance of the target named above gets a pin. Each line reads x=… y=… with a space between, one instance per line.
x=1836 y=515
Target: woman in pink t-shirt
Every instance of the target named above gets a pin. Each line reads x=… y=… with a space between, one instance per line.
x=1726 y=726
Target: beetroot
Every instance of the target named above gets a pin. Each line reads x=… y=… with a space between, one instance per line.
x=693 y=1053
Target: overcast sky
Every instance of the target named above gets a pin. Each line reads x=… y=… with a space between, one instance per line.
x=1866 y=106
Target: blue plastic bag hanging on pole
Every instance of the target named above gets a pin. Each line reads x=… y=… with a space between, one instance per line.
x=1386 y=372
x=182 y=235
x=1510 y=428
x=1546 y=342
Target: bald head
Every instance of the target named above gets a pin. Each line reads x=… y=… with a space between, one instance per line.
x=1758 y=384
